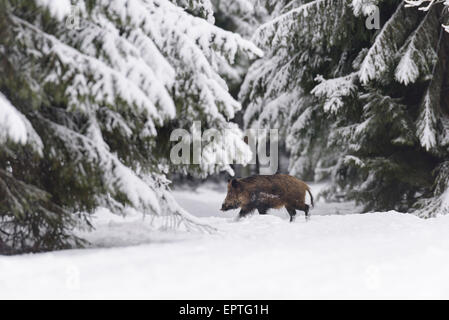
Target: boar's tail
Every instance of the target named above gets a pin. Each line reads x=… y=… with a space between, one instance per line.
x=311 y=197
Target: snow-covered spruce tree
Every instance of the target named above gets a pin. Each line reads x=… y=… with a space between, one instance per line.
x=88 y=98
x=366 y=107
x=244 y=17
x=241 y=17
x=318 y=37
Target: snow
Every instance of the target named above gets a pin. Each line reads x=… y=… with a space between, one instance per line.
x=375 y=62
x=334 y=90
x=58 y=9
x=11 y=122
x=365 y=7
x=407 y=71
x=138 y=63
x=117 y=177
x=375 y=255
x=419 y=56
x=224 y=148
x=245 y=15
x=426 y=124
x=274 y=32
x=16 y=127
x=417 y=3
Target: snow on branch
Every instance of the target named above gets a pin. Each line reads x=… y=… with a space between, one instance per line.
x=364 y=7
x=168 y=17
x=150 y=59
x=418 y=55
x=431 y=119
x=334 y=90
x=418 y=3
x=117 y=177
x=277 y=31
x=382 y=52
x=59 y=8
x=149 y=193
x=258 y=75
x=202 y=8
x=426 y=124
x=439 y=203
x=194 y=48
x=12 y=123
x=16 y=127
x=426 y=5
x=106 y=84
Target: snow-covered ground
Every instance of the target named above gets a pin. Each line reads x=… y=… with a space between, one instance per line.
x=335 y=255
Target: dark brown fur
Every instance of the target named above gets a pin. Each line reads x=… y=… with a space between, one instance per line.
x=264 y=192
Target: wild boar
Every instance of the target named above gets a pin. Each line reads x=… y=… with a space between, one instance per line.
x=263 y=192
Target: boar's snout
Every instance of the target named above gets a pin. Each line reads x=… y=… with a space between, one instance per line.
x=228 y=206
x=225 y=207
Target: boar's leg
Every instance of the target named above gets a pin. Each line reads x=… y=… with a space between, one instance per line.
x=306 y=211
x=262 y=210
x=244 y=212
x=292 y=212
x=305 y=208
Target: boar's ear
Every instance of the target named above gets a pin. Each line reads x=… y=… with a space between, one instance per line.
x=235 y=183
